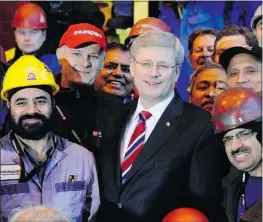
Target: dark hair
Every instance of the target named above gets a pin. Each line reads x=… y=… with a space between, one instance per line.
x=233 y=29
x=256 y=126
x=202 y=69
x=46 y=88
x=119 y=46
x=200 y=32
x=85 y=44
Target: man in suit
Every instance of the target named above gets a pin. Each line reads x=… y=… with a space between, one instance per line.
x=168 y=156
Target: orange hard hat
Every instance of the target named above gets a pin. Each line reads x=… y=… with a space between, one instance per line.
x=185 y=215
x=146 y=24
x=30 y=16
x=236 y=107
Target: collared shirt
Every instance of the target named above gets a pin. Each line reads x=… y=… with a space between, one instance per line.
x=32 y=152
x=156 y=111
x=70 y=182
x=32 y=155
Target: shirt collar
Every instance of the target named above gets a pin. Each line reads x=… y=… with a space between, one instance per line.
x=51 y=143
x=156 y=110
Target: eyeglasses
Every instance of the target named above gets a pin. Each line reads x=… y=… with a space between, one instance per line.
x=242 y=135
x=147 y=66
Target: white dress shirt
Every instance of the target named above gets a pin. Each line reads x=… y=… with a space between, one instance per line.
x=156 y=111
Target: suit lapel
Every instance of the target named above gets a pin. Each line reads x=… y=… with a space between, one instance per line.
x=168 y=122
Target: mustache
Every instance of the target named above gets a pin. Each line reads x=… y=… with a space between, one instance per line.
x=211 y=101
x=239 y=150
x=33 y=116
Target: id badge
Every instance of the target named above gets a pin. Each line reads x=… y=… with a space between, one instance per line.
x=10 y=172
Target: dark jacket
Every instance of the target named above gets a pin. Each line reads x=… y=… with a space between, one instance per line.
x=232 y=191
x=94 y=116
x=180 y=165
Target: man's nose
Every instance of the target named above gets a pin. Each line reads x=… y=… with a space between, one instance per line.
x=236 y=143
x=117 y=71
x=27 y=36
x=32 y=108
x=154 y=72
x=206 y=53
x=212 y=93
x=242 y=78
x=86 y=62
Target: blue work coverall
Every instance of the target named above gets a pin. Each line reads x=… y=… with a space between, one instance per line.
x=69 y=182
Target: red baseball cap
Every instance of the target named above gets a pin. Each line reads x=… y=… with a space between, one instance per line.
x=78 y=34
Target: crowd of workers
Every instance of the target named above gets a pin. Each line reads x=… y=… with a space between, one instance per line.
x=98 y=132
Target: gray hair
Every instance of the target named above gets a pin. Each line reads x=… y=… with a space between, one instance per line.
x=37 y=213
x=161 y=39
x=202 y=69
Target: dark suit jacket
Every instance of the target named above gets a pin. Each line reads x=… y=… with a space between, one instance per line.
x=179 y=166
x=232 y=187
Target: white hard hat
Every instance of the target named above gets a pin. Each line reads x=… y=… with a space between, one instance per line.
x=256 y=15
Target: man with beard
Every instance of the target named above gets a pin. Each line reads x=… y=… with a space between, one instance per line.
x=82 y=114
x=115 y=77
x=37 y=166
x=208 y=81
x=237 y=118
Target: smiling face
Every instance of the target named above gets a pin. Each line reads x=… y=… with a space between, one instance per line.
x=207 y=86
x=115 y=77
x=31 y=110
x=153 y=74
x=80 y=65
x=245 y=70
x=203 y=48
x=243 y=149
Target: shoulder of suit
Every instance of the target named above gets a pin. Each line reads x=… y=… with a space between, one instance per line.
x=5 y=143
x=234 y=174
x=196 y=109
x=109 y=98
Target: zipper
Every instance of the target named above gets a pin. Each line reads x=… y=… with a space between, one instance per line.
x=77 y=94
x=225 y=205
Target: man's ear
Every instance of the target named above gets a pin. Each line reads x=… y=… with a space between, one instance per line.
x=101 y=60
x=132 y=67
x=60 y=52
x=189 y=55
x=178 y=71
x=45 y=35
x=8 y=105
x=53 y=102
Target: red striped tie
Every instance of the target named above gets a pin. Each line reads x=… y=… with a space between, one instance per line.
x=135 y=145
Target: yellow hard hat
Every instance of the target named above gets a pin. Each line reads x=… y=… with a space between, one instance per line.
x=28 y=71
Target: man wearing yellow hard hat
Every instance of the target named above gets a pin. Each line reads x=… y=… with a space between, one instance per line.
x=37 y=166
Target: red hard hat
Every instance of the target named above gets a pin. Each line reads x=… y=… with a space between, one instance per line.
x=30 y=16
x=146 y=24
x=236 y=107
x=185 y=215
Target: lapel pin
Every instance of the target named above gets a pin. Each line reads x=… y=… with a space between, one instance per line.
x=168 y=124
x=97 y=133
